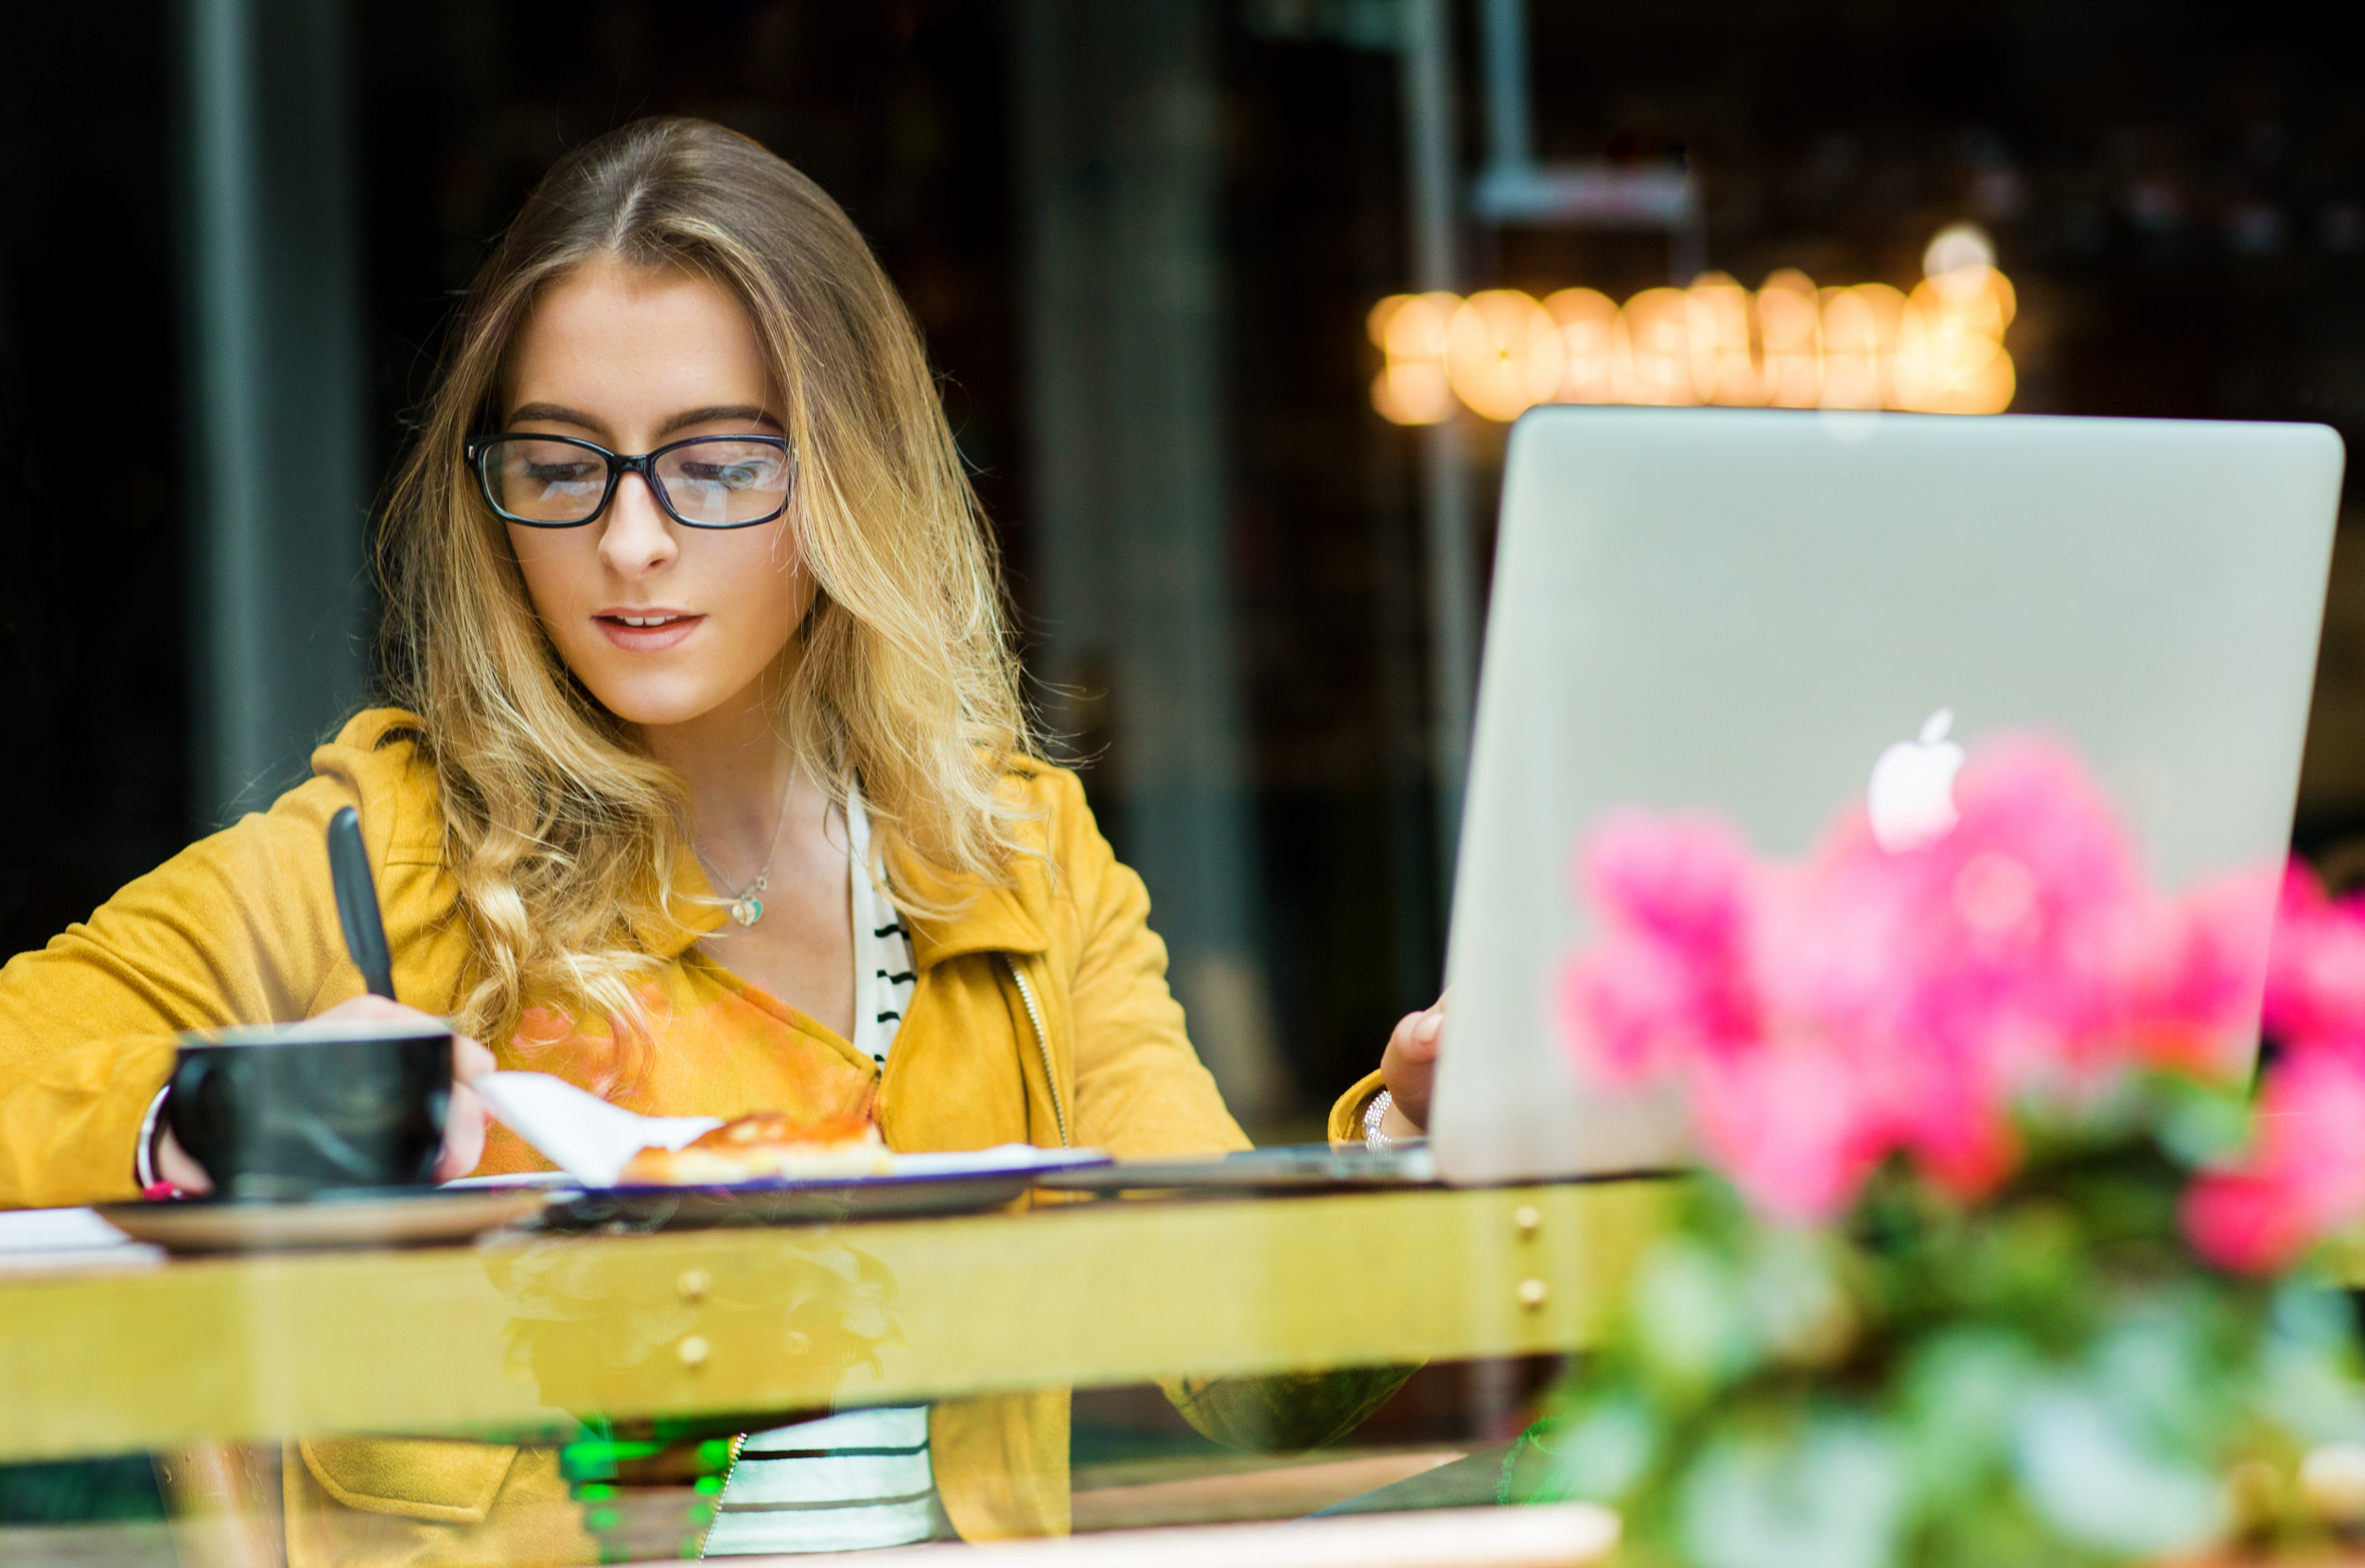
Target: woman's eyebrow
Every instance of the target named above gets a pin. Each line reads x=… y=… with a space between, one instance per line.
x=558 y=414
x=552 y=413
x=744 y=414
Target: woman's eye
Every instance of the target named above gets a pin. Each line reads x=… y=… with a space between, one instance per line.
x=730 y=476
x=558 y=473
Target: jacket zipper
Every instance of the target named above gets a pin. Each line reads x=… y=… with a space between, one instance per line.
x=739 y=1441
x=1042 y=1044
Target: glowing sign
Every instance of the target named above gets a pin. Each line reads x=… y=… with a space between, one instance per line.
x=1788 y=344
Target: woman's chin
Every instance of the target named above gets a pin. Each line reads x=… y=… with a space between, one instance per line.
x=664 y=705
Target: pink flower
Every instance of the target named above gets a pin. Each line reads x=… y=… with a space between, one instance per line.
x=2304 y=1179
x=2244 y=1222
x=2194 y=999
x=2004 y=941
x=1670 y=979
x=1826 y=1014
x=2315 y=991
x=1792 y=1127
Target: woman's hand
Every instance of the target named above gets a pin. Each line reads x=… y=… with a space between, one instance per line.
x=463 y=1123
x=1409 y=1069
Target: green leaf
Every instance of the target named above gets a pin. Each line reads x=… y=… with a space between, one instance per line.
x=1831 y=1496
x=1960 y=1389
x=1688 y=1318
x=2201 y=1123
x=2100 y=1485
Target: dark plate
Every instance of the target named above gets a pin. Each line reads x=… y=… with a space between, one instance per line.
x=404 y=1216
x=927 y=1184
x=1285 y=1168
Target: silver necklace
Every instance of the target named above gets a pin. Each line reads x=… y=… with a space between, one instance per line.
x=747 y=903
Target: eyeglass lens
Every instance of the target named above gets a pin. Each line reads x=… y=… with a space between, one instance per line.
x=715 y=483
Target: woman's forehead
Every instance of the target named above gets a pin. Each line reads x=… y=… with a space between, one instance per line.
x=636 y=347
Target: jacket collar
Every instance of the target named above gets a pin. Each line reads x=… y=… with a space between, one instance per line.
x=985 y=919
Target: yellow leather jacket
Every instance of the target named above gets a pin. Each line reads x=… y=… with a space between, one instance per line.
x=243 y=927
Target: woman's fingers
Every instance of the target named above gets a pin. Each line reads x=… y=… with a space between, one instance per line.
x=463 y=1123
x=1421 y=1031
x=176 y=1165
x=1409 y=1068
x=381 y=1007
x=463 y=1132
x=469 y=1059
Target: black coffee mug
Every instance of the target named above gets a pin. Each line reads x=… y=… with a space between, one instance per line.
x=292 y=1111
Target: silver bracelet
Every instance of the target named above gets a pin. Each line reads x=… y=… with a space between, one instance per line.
x=1374 y=1114
x=144 y=1158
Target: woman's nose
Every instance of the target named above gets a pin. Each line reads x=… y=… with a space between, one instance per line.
x=636 y=537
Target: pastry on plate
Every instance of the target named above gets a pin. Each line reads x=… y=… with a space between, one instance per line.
x=766 y=1146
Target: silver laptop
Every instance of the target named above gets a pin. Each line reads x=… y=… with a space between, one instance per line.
x=1739 y=611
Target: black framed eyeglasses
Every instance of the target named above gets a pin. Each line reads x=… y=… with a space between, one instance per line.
x=705 y=482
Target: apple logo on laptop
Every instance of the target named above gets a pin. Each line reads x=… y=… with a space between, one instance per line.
x=1911 y=799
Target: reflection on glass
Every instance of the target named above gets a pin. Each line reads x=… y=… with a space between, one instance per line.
x=596 y=1332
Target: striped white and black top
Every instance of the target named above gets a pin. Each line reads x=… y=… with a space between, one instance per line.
x=846 y=1483
x=861 y=1479
x=884 y=972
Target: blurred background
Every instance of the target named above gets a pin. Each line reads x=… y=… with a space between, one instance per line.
x=1161 y=250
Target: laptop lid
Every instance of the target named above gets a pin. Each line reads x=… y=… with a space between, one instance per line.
x=1737 y=611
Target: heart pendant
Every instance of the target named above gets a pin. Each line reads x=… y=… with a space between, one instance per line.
x=747 y=910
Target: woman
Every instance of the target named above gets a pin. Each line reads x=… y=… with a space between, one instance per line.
x=709 y=787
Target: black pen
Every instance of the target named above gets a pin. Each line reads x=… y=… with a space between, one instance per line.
x=356 y=903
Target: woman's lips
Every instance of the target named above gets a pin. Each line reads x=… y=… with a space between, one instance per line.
x=647 y=640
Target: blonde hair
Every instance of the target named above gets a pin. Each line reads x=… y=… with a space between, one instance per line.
x=565 y=836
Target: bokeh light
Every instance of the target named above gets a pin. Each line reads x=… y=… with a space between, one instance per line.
x=1787 y=343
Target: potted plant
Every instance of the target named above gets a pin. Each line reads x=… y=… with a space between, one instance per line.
x=1997 y=1255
